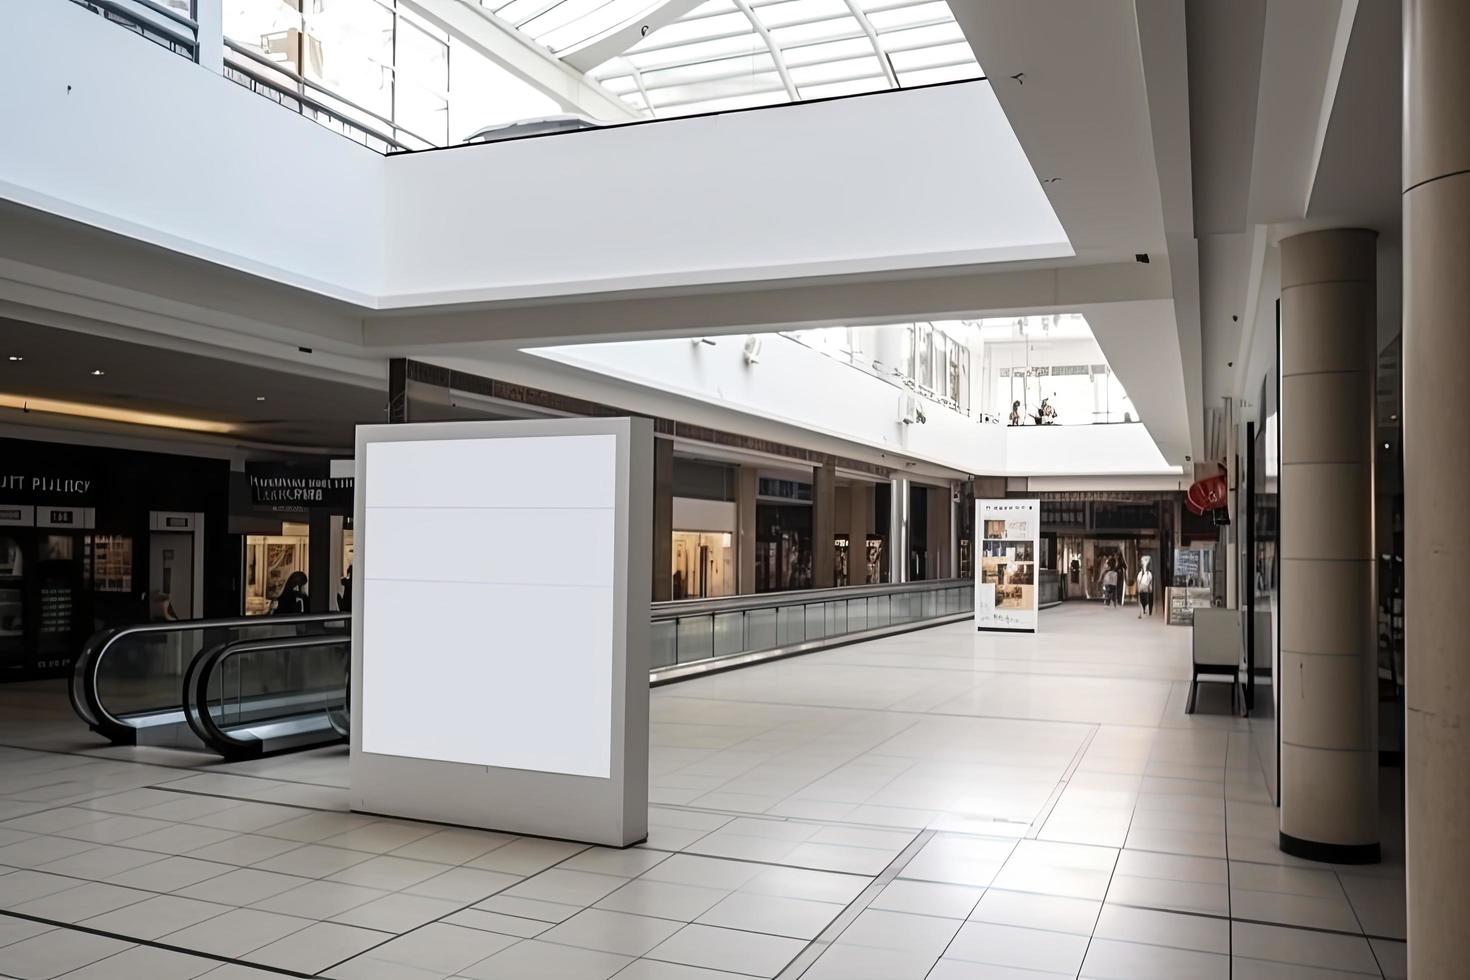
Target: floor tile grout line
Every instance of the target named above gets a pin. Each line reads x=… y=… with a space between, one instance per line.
x=809 y=954
x=87 y=755
x=1337 y=877
x=1229 y=884
x=829 y=772
x=155 y=944
x=1038 y=823
x=958 y=929
x=1111 y=875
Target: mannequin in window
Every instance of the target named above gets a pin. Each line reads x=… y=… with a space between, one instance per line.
x=1015 y=413
x=1048 y=414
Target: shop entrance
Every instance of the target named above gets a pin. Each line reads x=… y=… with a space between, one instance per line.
x=175 y=565
x=269 y=561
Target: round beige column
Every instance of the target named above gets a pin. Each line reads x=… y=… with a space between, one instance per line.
x=1436 y=175
x=1329 y=676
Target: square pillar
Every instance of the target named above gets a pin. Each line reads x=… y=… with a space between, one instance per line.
x=745 y=535
x=824 y=522
x=663 y=520
x=860 y=524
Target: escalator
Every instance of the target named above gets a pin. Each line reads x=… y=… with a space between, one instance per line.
x=239 y=687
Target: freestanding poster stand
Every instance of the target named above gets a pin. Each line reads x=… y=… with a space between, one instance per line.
x=1006 y=593
x=500 y=627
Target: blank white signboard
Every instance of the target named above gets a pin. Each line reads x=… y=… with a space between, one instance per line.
x=487 y=597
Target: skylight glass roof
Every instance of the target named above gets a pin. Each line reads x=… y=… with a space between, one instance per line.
x=732 y=54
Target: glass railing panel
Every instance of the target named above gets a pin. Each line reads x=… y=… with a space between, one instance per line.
x=837 y=618
x=729 y=634
x=663 y=638
x=696 y=638
x=761 y=629
x=857 y=615
x=143 y=673
x=814 y=615
x=260 y=687
x=790 y=625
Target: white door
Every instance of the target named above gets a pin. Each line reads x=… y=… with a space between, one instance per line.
x=171 y=569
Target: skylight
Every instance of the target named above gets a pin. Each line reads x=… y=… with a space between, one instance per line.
x=732 y=54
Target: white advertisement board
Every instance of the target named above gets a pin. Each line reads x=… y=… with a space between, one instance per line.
x=500 y=628
x=1006 y=578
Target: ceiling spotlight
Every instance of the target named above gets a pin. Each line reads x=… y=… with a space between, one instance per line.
x=260 y=398
x=16 y=357
x=98 y=372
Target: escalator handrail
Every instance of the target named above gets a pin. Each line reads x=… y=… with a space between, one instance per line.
x=82 y=684
x=201 y=672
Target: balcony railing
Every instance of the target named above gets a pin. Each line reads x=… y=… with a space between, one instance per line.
x=284 y=86
x=170 y=25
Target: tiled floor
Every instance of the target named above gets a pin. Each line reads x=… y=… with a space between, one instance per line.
x=938 y=805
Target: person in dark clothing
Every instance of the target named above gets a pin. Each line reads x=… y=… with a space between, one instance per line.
x=292 y=600
x=344 y=598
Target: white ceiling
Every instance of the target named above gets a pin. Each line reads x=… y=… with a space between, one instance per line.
x=1198 y=132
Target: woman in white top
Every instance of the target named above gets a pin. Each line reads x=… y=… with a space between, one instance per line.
x=1144 y=585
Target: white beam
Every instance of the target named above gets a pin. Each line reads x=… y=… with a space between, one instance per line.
x=525 y=59
x=595 y=51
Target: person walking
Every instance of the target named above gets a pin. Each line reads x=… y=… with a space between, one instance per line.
x=1145 y=589
x=1110 y=586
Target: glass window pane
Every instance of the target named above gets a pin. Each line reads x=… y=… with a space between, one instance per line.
x=784 y=12
x=911 y=16
x=484 y=94
x=857 y=47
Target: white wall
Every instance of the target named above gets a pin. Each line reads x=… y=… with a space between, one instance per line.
x=1083 y=450
x=112 y=130
x=794 y=384
x=907 y=179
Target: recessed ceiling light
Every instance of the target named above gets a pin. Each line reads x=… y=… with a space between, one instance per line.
x=260 y=398
x=16 y=357
x=98 y=372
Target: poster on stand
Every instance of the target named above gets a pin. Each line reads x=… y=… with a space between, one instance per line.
x=1006 y=594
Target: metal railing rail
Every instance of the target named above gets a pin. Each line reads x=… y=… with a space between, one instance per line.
x=298 y=87
x=729 y=603
x=82 y=685
x=695 y=636
x=174 y=30
x=204 y=671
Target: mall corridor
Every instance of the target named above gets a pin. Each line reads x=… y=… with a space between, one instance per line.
x=938 y=804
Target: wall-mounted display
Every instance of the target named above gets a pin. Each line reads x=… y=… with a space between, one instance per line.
x=1006 y=595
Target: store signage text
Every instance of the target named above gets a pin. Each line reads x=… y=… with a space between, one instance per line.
x=287 y=485
x=44 y=484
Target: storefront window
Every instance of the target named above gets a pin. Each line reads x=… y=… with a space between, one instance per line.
x=12 y=599
x=704 y=564
x=269 y=561
x=112 y=557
